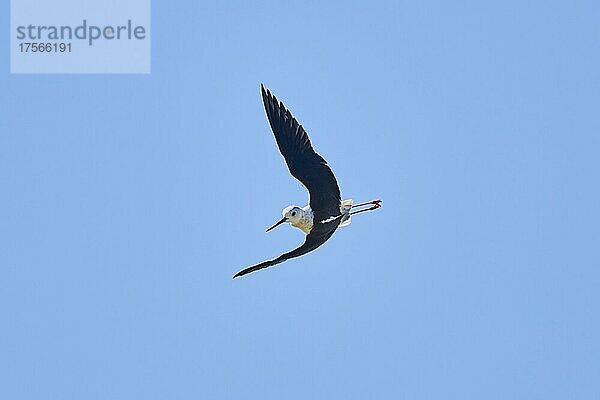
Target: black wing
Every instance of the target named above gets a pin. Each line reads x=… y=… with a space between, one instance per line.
x=303 y=162
x=320 y=233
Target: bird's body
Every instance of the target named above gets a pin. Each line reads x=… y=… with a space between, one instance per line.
x=304 y=219
x=326 y=211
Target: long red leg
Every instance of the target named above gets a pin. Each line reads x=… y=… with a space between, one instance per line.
x=376 y=205
x=376 y=202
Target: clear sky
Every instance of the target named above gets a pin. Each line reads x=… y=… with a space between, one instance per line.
x=128 y=202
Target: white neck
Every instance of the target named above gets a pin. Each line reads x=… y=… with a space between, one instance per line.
x=305 y=222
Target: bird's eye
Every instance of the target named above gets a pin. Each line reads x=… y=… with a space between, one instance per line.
x=293 y=213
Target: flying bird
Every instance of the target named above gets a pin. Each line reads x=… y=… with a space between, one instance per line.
x=326 y=211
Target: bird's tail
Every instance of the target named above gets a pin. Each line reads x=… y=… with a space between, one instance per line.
x=345 y=209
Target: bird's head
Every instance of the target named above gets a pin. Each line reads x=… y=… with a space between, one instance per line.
x=291 y=214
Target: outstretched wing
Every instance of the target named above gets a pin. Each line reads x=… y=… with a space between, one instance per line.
x=303 y=162
x=317 y=236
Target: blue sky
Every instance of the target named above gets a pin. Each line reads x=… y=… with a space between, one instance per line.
x=128 y=201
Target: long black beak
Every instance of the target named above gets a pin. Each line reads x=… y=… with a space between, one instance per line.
x=281 y=221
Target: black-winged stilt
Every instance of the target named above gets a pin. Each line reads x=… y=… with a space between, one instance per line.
x=326 y=211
